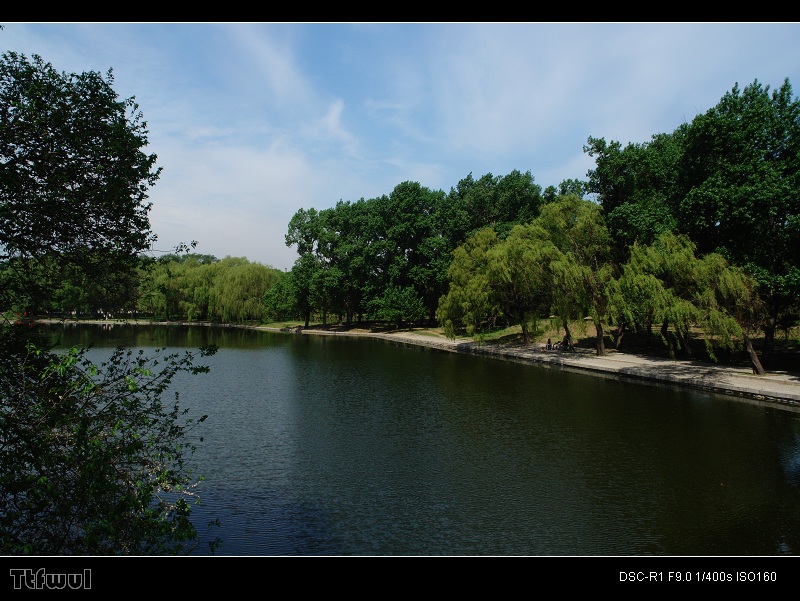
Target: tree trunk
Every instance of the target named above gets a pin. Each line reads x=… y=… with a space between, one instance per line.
x=566 y=343
x=620 y=334
x=769 y=337
x=601 y=345
x=668 y=339
x=526 y=335
x=687 y=349
x=758 y=369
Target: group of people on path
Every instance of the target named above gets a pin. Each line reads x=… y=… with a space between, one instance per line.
x=557 y=346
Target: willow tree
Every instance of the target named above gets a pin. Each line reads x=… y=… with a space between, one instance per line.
x=519 y=274
x=642 y=291
x=667 y=283
x=470 y=302
x=731 y=307
x=582 y=271
x=664 y=276
x=196 y=283
x=238 y=289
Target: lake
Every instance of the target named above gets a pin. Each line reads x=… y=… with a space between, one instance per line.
x=333 y=445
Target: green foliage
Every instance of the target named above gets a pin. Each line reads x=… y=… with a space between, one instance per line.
x=567 y=187
x=558 y=263
x=237 y=290
x=200 y=287
x=398 y=306
x=667 y=283
x=74 y=178
x=470 y=302
x=582 y=270
x=519 y=272
x=500 y=202
x=353 y=253
x=637 y=186
x=92 y=461
x=279 y=300
x=728 y=180
x=415 y=249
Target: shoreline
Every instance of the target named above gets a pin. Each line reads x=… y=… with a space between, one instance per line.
x=778 y=389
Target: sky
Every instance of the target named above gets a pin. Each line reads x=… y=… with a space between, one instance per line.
x=252 y=122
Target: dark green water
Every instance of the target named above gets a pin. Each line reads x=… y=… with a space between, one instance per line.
x=322 y=445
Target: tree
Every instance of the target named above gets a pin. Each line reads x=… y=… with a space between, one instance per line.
x=73 y=177
x=345 y=238
x=500 y=202
x=353 y=253
x=741 y=178
x=237 y=290
x=415 y=252
x=729 y=180
x=569 y=186
x=637 y=187
x=730 y=307
x=520 y=275
x=280 y=299
x=315 y=277
x=301 y=285
x=582 y=271
x=667 y=283
x=92 y=461
x=470 y=302
x=398 y=305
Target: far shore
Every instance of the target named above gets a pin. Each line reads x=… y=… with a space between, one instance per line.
x=775 y=388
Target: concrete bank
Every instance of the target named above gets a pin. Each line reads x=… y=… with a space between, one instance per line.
x=775 y=388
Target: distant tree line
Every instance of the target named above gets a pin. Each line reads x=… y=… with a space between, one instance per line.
x=175 y=286
x=196 y=287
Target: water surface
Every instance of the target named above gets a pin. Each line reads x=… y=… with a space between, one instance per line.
x=322 y=445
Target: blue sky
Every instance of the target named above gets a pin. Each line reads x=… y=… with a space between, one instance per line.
x=253 y=121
